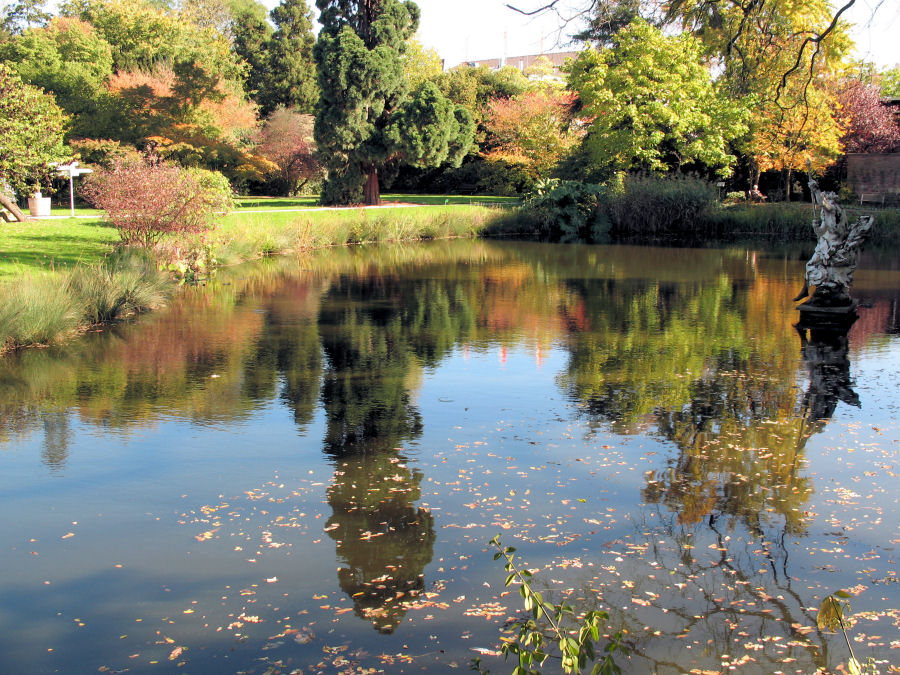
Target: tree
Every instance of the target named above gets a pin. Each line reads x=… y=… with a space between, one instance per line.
x=291 y=77
x=286 y=140
x=17 y=17
x=537 y=126
x=541 y=69
x=31 y=133
x=144 y=35
x=890 y=81
x=251 y=34
x=870 y=125
x=654 y=105
x=68 y=58
x=366 y=117
x=421 y=63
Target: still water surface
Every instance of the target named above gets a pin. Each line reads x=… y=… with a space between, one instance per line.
x=298 y=468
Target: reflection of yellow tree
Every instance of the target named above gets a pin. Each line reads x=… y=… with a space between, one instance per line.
x=710 y=368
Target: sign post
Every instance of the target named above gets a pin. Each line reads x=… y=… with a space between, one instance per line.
x=72 y=170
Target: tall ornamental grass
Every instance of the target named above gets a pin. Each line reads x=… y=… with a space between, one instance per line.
x=45 y=309
x=653 y=207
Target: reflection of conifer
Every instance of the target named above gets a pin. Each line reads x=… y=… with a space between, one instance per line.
x=56 y=439
x=365 y=393
x=384 y=540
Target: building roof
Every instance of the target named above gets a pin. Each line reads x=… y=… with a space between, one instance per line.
x=521 y=62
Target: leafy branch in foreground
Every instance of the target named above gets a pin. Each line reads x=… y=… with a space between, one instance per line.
x=831 y=617
x=574 y=637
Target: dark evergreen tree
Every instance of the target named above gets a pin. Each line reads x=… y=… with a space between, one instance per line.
x=291 y=80
x=366 y=117
x=251 y=35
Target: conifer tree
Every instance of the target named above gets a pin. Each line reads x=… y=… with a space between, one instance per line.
x=367 y=118
x=251 y=35
x=291 y=80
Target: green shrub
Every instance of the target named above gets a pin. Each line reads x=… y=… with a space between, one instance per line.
x=485 y=177
x=216 y=185
x=568 y=209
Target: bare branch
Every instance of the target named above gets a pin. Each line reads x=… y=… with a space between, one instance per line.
x=533 y=12
x=817 y=40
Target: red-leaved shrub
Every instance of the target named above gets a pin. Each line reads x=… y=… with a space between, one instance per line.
x=147 y=201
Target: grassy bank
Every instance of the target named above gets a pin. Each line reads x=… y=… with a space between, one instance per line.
x=40 y=309
x=68 y=273
x=791 y=222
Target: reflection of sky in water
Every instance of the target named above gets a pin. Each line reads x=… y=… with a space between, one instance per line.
x=219 y=543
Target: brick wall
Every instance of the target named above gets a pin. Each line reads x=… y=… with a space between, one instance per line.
x=870 y=173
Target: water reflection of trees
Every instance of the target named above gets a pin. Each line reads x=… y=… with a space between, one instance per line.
x=704 y=597
x=706 y=367
x=371 y=328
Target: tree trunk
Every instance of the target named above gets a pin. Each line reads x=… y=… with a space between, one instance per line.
x=788 y=174
x=12 y=208
x=372 y=192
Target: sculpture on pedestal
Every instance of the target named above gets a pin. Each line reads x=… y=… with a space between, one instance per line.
x=831 y=267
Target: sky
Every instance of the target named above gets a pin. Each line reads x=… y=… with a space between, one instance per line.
x=469 y=30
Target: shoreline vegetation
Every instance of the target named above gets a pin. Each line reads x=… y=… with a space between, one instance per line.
x=70 y=275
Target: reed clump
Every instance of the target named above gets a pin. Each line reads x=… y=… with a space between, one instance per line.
x=42 y=309
x=654 y=207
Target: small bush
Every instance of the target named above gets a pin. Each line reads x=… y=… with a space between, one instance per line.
x=148 y=201
x=216 y=185
x=568 y=208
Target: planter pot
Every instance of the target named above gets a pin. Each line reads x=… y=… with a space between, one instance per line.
x=39 y=206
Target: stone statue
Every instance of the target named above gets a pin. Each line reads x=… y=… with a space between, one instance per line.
x=831 y=267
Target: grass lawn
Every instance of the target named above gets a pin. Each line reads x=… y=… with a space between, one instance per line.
x=38 y=246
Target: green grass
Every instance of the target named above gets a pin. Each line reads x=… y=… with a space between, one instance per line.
x=52 y=245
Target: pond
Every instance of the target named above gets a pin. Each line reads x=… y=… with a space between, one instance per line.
x=299 y=467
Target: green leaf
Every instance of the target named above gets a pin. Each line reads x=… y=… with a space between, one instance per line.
x=830 y=614
x=854 y=667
